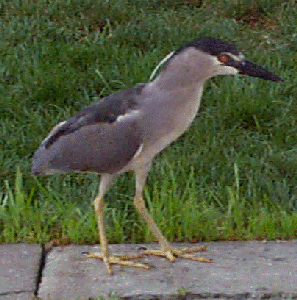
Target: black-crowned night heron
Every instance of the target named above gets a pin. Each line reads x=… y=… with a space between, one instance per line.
x=126 y=130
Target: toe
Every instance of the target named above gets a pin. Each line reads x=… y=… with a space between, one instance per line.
x=107 y=265
x=169 y=254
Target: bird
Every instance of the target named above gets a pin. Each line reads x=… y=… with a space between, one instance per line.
x=125 y=131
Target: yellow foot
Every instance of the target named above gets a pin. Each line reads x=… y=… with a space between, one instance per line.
x=122 y=260
x=172 y=253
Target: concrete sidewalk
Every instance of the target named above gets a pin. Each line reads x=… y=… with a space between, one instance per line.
x=19 y=269
x=240 y=270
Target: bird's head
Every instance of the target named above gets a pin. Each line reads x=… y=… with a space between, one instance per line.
x=207 y=57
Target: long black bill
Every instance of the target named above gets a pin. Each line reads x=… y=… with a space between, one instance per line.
x=248 y=68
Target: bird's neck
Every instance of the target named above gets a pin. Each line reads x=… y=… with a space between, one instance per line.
x=178 y=86
x=179 y=78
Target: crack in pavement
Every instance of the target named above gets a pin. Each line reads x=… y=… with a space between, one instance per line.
x=44 y=253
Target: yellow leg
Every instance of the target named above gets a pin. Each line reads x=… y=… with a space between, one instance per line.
x=166 y=250
x=104 y=255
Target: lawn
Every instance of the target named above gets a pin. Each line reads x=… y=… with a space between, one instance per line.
x=231 y=176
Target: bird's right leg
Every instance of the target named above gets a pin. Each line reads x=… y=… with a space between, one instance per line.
x=108 y=259
x=166 y=249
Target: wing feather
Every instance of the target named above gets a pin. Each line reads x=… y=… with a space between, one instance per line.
x=101 y=138
x=105 y=111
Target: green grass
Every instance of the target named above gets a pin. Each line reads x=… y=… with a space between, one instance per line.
x=231 y=176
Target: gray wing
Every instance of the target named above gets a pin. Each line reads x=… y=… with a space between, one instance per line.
x=101 y=138
x=105 y=111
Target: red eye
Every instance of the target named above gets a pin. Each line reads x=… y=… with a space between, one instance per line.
x=223 y=58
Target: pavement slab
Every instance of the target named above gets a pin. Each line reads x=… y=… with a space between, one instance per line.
x=240 y=270
x=19 y=269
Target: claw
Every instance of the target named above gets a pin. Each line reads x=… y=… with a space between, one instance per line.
x=122 y=260
x=172 y=253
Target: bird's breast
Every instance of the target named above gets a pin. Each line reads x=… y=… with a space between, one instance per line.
x=162 y=124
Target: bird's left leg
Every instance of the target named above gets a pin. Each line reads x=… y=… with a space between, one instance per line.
x=108 y=259
x=166 y=250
